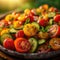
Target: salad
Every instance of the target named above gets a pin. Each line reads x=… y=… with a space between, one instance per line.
x=33 y=31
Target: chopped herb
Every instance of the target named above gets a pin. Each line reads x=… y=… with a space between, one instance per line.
x=42 y=29
x=49 y=46
x=27 y=21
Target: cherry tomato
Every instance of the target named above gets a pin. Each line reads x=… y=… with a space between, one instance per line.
x=20 y=33
x=31 y=17
x=42 y=22
x=44 y=48
x=22 y=45
x=33 y=11
x=52 y=9
x=57 y=18
x=45 y=6
x=54 y=30
x=9 y=44
x=43 y=35
x=55 y=43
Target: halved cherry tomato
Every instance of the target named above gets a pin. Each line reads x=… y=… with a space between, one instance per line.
x=22 y=45
x=57 y=18
x=55 y=43
x=54 y=30
x=44 y=48
x=43 y=22
x=9 y=44
x=31 y=17
x=19 y=34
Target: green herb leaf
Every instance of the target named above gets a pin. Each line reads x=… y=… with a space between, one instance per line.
x=27 y=21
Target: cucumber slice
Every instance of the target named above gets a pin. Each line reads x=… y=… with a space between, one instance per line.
x=34 y=44
x=41 y=41
x=51 y=21
x=51 y=14
x=19 y=28
x=37 y=25
x=12 y=30
x=5 y=36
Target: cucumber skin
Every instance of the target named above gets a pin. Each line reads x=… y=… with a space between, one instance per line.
x=41 y=42
x=4 y=35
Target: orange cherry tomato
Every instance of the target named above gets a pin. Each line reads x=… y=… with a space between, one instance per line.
x=22 y=45
x=55 y=43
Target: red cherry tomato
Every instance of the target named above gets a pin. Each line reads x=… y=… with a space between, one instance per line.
x=31 y=17
x=42 y=22
x=44 y=48
x=22 y=45
x=54 y=30
x=19 y=34
x=57 y=18
x=9 y=44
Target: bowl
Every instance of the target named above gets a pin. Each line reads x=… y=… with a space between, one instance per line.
x=27 y=55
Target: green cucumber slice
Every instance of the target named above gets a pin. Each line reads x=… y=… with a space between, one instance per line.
x=34 y=44
x=5 y=36
x=19 y=28
x=51 y=21
x=51 y=14
x=12 y=30
x=42 y=41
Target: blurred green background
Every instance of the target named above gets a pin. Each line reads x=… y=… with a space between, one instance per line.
x=8 y=5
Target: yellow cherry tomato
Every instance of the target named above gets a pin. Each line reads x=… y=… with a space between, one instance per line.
x=4 y=31
x=29 y=30
x=9 y=17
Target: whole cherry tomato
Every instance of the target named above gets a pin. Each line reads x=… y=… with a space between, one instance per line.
x=31 y=17
x=42 y=22
x=19 y=34
x=57 y=18
x=9 y=44
x=22 y=45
